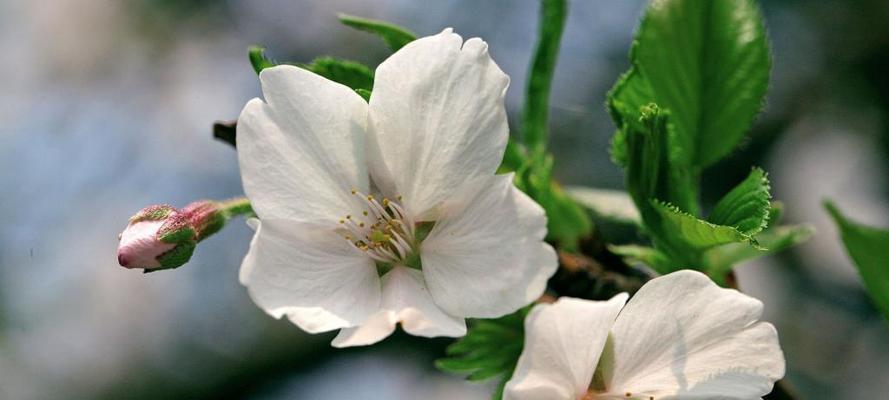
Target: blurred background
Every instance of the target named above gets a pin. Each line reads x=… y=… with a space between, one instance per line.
x=106 y=106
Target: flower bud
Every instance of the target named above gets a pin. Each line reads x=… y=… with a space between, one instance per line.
x=162 y=237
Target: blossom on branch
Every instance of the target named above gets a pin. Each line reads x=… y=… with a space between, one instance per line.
x=679 y=337
x=389 y=212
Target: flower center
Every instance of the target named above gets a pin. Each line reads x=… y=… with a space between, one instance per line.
x=383 y=231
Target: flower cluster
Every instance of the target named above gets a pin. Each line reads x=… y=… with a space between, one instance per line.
x=376 y=213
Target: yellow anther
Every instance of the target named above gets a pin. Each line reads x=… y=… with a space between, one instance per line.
x=361 y=224
x=342 y=221
x=385 y=202
x=370 y=197
x=354 y=191
x=364 y=212
x=348 y=217
x=399 y=197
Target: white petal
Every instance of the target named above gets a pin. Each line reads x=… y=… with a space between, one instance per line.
x=311 y=275
x=563 y=343
x=683 y=337
x=405 y=300
x=486 y=257
x=437 y=118
x=302 y=152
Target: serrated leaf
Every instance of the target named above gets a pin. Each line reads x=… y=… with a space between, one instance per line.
x=695 y=232
x=491 y=348
x=258 y=59
x=394 y=36
x=869 y=249
x=708 y=62
x=352 y=74
x=611 y=204
x=720 y=260
x=747 y=206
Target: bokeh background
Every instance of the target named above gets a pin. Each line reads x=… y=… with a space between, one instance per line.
x=106 y=106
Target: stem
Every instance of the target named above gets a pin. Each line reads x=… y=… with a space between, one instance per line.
x=536 y=110
x=235 y=207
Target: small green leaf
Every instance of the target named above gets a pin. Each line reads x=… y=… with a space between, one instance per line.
x=652 y=257
x=490 y=348
x=611 y=204
x=869 y=249
x=394 y=36
x=364 y=93
x=694 y=232
x=352 y=74
x=567 y=221
x=536 y=110
x=708 y=62
x=258 y=58
x=514 y=156
x=720 y=260
x=747 y=206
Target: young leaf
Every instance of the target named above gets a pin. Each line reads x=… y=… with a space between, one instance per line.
x=490 y=348
x=652 y=257
x=394 y=36
x=649 y=172
x=694 y=232
x=720 y=260
x=612 y=204
x=708 y=62
x=566 y=220
x=352 y=74
x=258 y=59
x=869 y=249
x=747 y=206
x=536 y=110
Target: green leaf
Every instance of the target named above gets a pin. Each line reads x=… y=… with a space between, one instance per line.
x=708 y=62
x=514 y=157
x=649 y=172
x=536 y=110
x=747 y=206
x=394 y=36
x=612 y=204
x=652 y=257
x=567 y=221
x=352 y=74
x=869 y=249
x=696 y=233
x=491 y=348
x=720 y=260
x=258 y=59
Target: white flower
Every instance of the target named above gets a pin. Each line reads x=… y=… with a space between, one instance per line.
x=389 y=212
x=680 y=337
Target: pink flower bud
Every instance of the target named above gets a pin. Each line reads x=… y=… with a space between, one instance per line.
x=161 y=237
x=140 y=247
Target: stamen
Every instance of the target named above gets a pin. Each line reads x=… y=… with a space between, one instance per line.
x=385 y=234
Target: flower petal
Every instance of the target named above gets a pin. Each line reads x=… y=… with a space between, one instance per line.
x=302 y=152
x=563 y=343
x=683 y=337
x=311 y=275
x=437 y=118
x=486 y=257
x=405 y=300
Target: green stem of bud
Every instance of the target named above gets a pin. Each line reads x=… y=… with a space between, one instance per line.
x=235 y=207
